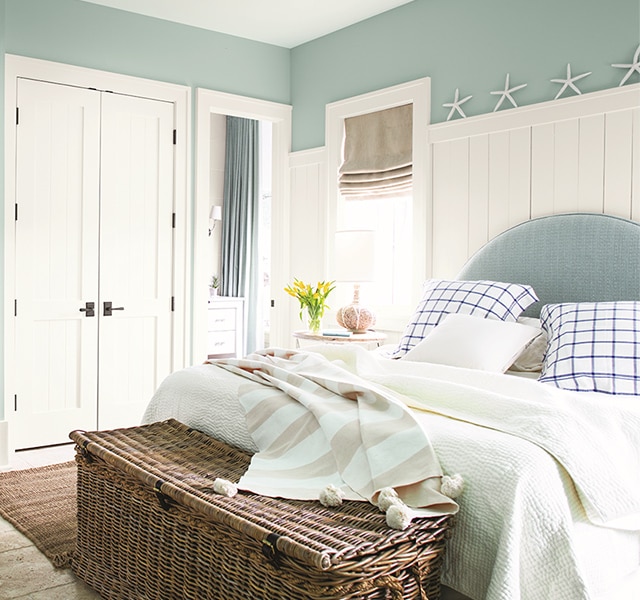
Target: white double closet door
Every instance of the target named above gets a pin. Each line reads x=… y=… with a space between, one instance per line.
x=94 y=205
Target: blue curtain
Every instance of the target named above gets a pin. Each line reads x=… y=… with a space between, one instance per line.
x=239 y=272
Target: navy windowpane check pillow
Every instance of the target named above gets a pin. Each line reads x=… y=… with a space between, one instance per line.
x=487 y=299
x=593 y=346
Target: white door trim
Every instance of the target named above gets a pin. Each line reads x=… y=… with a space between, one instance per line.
x=22 y=67
x=210 y=102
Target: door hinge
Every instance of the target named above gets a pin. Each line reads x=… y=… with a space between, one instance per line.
x=17 y=115
x=273 y=303
x=175 y=136
x=173 y=220
x=173 y=303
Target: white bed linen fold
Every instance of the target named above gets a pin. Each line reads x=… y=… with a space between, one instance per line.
x=596 y=440
x=522 y=523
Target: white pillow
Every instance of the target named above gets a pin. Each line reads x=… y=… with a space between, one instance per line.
x=440 y=297
x=462 y=340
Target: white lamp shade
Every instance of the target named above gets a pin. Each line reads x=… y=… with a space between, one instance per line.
x=354 y=255
x=215 y=214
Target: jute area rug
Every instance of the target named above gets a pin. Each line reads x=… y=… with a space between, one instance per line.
x=41 y=503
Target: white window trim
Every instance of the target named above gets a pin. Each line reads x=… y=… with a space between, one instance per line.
x=417 y=92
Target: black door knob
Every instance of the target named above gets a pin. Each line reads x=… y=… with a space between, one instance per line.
x=109 y=308
x=89 y=309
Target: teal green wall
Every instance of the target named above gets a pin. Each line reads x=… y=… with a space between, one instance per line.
x=89 y=35
x=465 y=44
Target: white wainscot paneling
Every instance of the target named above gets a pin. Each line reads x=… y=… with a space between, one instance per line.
x=308 y=214
x=635 y=162
x=509 y=179
x=478 y=192
x=618 y=163
x=308 y=218
x=450 y=206
x=590 y=171
x=489 y=173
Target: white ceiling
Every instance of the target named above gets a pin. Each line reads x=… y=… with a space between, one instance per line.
x=286 y=23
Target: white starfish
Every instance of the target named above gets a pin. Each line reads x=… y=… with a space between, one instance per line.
x=569 y=82
x=634 y=66
x=455 y=105
x=506 y=93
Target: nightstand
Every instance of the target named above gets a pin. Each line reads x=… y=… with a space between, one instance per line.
x=225 y=327
x=370 y=337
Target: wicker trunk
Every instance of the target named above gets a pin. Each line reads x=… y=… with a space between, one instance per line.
x=150 y=527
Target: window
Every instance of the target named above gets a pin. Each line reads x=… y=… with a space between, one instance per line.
x=391 y=220
x=402 y=224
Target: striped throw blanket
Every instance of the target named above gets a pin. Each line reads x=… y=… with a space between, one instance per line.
x=316 y=424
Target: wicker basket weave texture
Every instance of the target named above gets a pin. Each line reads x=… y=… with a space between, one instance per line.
x=151 y=527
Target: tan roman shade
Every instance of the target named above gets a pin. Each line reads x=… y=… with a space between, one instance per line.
x=377 y=154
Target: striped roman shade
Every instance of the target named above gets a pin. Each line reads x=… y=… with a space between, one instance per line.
x=377 y=154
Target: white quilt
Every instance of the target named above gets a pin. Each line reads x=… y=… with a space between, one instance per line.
x=540 y=466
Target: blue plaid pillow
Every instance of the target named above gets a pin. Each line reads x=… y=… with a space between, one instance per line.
x=487 y=299
x=593 y=346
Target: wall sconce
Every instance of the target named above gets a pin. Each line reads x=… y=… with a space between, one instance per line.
x=355 y=263
x=215 y=215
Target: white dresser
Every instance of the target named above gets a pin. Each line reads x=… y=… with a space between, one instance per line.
x=225 y=330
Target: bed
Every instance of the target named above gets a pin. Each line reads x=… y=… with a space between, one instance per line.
x=541 y=430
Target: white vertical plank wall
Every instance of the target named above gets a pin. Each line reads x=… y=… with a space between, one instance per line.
x=635 y=165
x=542 y=164
x=618 y=160
x=308 y=209
x=488 y=173
x=590 y=171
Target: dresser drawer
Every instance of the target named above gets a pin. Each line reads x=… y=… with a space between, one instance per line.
x=222 y=319
x=221 y=342
x=225 y=327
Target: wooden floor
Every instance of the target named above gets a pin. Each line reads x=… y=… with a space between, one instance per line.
x=25 y=573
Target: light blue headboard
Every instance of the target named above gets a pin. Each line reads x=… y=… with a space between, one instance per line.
x=581 y=257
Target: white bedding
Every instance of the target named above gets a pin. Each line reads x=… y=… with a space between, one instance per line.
x=522 y=530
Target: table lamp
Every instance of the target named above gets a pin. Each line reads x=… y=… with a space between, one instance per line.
x=355 y=262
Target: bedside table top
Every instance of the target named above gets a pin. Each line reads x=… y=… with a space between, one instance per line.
x=369 y=336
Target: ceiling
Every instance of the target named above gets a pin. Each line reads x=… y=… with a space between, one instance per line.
x=286 y=23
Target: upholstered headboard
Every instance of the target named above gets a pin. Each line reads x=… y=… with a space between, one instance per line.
x=579 y=257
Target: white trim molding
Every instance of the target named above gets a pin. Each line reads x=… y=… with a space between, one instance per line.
x=572 y=107
x=418 y=93
x=209 y=102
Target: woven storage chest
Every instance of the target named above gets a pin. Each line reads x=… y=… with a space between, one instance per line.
x=150 y=527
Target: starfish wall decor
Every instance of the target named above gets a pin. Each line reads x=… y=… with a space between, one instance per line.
x=506 y=93
x=634 y=66
x=455 y=105
x=569 y=82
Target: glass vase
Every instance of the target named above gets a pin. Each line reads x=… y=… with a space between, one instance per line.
x=314 y=323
